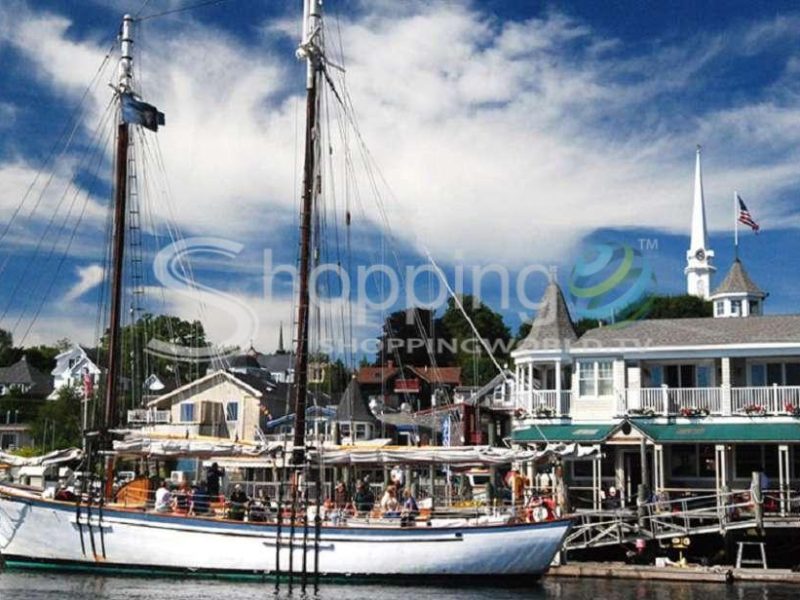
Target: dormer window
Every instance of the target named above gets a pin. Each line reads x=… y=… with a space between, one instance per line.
x=754 y=307
x=719 y=308
x=736 y=307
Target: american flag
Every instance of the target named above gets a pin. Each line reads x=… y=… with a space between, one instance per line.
x=744 y=215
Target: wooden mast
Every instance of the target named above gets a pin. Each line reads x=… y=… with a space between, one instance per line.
x=310 y=49
x=118 y=243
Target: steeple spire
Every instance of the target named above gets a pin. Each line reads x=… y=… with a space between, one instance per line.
x=698 y=258
x=280 y=340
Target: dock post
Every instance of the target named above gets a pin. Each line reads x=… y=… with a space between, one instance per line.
x=757 y=496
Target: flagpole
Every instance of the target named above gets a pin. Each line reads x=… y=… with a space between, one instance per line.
x=736 y=224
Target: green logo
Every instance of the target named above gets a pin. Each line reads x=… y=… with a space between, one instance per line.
x=612 y=283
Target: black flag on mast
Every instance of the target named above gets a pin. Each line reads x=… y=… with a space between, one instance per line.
x=137 y=112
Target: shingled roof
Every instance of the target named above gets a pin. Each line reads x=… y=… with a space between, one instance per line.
x=23 y=374
x=552 y=328
x=654 y=333
x=737 y=281
x=353 y=406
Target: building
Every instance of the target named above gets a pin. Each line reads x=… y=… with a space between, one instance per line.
x=71 y=366
x=24 y=380
x=420 y=388
x=704 y=402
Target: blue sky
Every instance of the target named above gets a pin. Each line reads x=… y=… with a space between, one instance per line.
x=510 y=134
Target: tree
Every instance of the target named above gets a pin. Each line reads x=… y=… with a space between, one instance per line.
x=42 y=358
x=477 y=367
x=8 y=353
x=413 y=337
x=138 y=362
x=58 y=422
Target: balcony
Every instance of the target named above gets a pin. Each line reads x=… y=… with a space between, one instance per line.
x=666 y=401
x=544 y=402
x=148 y=417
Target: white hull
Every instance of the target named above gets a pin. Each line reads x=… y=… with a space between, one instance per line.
x=35 y=531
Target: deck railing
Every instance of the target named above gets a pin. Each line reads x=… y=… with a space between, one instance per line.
x=544 y=402
x=773 y=399
x=754 y=400
x=148 y=417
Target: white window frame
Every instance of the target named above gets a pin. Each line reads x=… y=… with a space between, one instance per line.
x=180 y=412
x=228 y=405
x=592 y=368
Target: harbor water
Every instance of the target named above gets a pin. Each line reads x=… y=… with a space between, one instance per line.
x=36 y=586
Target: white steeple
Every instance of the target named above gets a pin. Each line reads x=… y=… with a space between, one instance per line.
x=698 y=257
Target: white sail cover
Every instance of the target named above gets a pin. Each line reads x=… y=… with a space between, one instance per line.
x=190 y=448
x=52 y=458
x=458 y=455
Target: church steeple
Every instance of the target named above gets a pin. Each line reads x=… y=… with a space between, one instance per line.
x=698 y=257
x=281 y=349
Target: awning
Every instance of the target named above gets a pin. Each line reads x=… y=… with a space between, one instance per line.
x=758 y=430
x=579 y=432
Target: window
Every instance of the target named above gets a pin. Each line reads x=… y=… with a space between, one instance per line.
x=596 y=378
x=361 y=431
x=719 y=308
x=703 y=376
x=683 y=460
x=656 y=376
x=755 y=457
x=708 y=460
x=8 y=440
x=753 y=305
x=736 y=307
x=792 y=373
x=758 y=375
x=232 y=411
x=187 y=412
x=582 y=469
x=344 y=429
x=586 y=379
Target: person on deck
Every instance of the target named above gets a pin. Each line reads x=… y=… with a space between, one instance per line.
x=213 y=476
x=238 y=503
x=389 y=502
x=410 y=510
x=163 y=498
x=364 y=499
x=341 y=497
x=198 y=505
x=180 y=499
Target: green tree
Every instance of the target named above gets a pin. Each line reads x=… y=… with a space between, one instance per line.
x=58 y=422
x=8 y=353
x=138 y=362
x=477 y=367
x=410 y=337
x=42 y=358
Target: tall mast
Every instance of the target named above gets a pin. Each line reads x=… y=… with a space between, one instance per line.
x=311 y=50
x=120 y=197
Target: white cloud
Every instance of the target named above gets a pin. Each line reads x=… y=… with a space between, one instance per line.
x=502 y=141
x=88 y=278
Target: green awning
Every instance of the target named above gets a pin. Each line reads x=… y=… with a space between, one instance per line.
x=760 y=430
x=583 y=432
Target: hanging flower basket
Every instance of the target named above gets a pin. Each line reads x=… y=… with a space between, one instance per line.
x=792 y=409
x=690 y=411
x=641 y=412
x=755 y=410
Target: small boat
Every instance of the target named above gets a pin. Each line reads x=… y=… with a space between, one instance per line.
x=92 y=535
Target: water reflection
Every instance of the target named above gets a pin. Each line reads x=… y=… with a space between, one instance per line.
x=27 y=586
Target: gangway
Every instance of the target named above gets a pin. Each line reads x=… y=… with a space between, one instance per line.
x=661 y=520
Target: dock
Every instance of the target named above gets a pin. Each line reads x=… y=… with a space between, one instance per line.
x=693 y=573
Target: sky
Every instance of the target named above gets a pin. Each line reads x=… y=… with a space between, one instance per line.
x=505 y=136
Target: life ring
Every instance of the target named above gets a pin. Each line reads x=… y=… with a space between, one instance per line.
x=539 y=513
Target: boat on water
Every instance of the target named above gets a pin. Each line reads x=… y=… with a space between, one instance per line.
x=94 y=532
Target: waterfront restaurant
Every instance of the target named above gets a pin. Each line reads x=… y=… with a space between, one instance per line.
x=711 y=400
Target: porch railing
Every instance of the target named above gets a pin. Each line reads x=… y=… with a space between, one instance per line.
x=148 y=417
x=545 y=402
x=755 y=400
x=773 y=399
